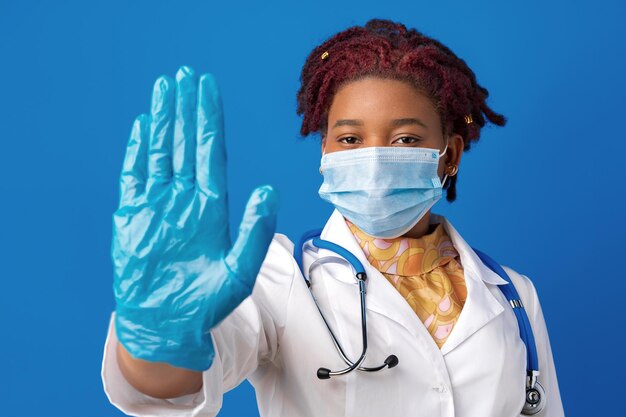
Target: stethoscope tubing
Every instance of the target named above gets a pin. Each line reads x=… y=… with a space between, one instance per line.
x=535 y=394
x=512 y=296
x=325 y=373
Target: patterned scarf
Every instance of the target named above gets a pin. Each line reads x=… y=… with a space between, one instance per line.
x=426 y=271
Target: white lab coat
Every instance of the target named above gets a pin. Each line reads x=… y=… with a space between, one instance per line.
x=277 y=340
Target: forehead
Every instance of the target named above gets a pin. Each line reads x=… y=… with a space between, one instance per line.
x=377 y=99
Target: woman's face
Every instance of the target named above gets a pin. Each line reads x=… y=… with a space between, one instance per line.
x=385 y=112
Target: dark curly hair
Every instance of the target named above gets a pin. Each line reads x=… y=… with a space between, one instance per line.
x=388 y=49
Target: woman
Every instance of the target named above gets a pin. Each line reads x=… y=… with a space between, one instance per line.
x=196 y=315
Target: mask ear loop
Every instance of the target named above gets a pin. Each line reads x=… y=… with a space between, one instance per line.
x=445 y=177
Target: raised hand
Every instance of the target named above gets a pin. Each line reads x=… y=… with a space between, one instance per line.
x=177 y=274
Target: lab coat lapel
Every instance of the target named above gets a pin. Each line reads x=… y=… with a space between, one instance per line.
x=481 y=306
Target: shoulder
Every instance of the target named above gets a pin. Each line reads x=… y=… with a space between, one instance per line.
x=283 y=244
x=279 y=259
x=277 y=272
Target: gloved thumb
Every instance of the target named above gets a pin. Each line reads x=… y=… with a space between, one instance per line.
x=255 y=235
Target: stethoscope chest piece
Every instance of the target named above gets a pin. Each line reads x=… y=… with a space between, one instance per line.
x=535 y=400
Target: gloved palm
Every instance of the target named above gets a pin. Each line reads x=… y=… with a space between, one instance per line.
x=177 y=275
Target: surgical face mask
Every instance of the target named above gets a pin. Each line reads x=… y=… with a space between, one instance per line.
x=384 y=191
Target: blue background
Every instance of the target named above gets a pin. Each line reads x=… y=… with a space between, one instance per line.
x=544 y=195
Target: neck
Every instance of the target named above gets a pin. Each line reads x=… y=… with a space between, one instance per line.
x=421 y=228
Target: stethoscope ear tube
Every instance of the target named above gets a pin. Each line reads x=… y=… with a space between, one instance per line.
x=390 y=362
x=325 y=373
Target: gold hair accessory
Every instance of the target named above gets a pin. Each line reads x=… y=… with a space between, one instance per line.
x=468 y=118
x=325 y=55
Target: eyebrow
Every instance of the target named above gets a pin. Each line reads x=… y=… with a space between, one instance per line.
x=408 y=121
x=394 y=123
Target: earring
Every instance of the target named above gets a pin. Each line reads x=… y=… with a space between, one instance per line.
x=451 y=170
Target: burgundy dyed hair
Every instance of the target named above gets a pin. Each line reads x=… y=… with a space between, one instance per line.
x=388 y=49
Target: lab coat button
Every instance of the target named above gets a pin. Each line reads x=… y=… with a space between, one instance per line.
x=440 y=388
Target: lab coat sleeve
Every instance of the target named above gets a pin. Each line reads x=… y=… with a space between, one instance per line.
x=245 y=340
x=547 y=378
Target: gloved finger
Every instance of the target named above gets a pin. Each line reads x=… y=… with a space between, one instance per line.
x=161 y=131
x=134 y=168
x=184 y=145
x=211 y=150
x=255 y=235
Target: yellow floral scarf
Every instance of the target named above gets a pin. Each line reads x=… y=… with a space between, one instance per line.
x=427 y=273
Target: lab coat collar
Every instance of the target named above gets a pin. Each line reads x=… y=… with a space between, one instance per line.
x=336 y=230
x=469 y=259
x=481 y=305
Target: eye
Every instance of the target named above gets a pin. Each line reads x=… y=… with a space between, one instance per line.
x=349 y=140
x=407 y=140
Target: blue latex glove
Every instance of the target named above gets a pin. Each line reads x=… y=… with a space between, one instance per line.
x=177 y=275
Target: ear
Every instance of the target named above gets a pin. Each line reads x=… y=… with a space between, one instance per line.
x=455 y=149
x=323 y=144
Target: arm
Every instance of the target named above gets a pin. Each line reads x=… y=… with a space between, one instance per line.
x=157 y=379
x=244 y=341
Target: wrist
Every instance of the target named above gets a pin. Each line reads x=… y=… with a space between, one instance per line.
x=157 y=379
x=180 y=344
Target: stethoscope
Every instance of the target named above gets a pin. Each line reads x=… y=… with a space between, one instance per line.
x=535 y=394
